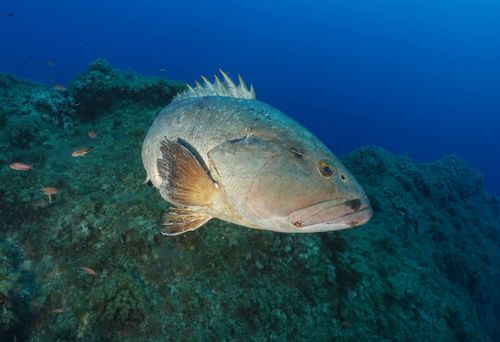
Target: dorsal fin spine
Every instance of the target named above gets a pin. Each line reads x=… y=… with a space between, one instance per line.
x=225 y=88
x=208 y=84
x=200 y=90
x=231 y=87
x=221 y=89
x=243 y=87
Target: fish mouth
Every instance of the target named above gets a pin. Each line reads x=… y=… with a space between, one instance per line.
x=330 y=215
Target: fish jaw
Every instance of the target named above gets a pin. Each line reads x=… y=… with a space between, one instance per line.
x=330 y=215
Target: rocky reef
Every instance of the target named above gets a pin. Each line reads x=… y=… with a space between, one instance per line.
x=91 y=265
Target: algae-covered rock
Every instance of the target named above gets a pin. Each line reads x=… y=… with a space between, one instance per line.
x=425 y=268
x=102 y=87
x=15 y=292
x=118 y=301
x=27 y=98
x=21 y=131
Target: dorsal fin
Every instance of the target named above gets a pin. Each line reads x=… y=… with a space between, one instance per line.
x=218 y=88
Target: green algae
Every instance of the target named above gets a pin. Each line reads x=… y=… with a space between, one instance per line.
x=16 y=290
x=424 y=268
x=102 y=87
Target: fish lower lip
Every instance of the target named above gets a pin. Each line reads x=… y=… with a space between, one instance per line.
x=353 y=212
x=355 y=218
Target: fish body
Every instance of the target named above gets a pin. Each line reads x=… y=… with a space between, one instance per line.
x=60 y=88
x=49 y=190
x=81 y=151
x=217 y=152
x=21 y=166
x=92 y=134
x=90 y=271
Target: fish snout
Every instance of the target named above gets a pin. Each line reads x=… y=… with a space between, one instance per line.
x=332 y=215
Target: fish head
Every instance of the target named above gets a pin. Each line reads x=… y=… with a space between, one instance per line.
x=293 y=186
x=308 y=189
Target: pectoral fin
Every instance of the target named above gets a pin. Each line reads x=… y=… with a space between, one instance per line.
x=185 y=182
x=187 y=185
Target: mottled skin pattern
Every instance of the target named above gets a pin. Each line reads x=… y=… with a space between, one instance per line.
x=265 y=165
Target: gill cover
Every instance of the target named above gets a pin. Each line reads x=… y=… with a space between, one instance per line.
x=237 y=163
x=264 y=179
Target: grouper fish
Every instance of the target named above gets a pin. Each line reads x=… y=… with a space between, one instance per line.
x=217 y=152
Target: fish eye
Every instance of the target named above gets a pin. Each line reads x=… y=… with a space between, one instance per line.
x=326 y=169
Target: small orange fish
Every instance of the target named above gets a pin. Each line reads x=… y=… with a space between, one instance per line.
x=21 y=166
x=92 y=135
x=60 y=88
x=89 y=271
x=81 y=151
x=49 y=191
x=57 y=310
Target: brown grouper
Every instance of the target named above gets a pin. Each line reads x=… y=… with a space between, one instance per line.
x=217 y=152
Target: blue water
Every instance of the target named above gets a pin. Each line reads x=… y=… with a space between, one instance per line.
x=415 y=77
